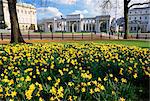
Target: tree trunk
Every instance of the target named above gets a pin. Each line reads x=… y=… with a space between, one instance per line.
x=126 y=9
x=16 y=36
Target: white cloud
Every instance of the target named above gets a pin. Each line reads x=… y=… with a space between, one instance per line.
x=80 y=12
x=91 y=7
x=69 y=2
x=94 y=7
x=66 y=2
x=51 y=11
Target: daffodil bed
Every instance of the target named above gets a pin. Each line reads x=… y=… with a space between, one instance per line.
x=82 y=72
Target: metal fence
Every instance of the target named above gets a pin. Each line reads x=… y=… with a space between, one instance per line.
x=75 y=36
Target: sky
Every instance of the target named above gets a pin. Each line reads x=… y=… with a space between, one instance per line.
x=89 y=8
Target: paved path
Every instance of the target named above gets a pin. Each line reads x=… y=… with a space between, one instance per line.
x=66 y=37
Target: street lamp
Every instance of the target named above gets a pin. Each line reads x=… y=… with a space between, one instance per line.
x=62 y=27
x=138 y=29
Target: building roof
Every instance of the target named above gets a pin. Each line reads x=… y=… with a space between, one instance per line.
x=22 y=4
x=25 y=4
x=139 y=8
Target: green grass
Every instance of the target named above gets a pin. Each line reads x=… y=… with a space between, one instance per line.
x=138 y=43
x=143 y=44
x=60 y=33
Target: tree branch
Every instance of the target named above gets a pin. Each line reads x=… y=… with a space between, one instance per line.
x=128 y=1
x=138 y=4
x=106 y=3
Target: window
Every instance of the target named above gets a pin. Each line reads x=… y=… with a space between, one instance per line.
x=131 y=29
x=145 y=11
x=135 y=12
x=145 y=17
x=135 y=28
x=130 y=12
x=23 y=27
x=140 y=18
x=129 y=18
x=135 y=18
x=26 y=27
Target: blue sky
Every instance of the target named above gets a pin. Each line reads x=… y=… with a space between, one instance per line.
x=89 y=8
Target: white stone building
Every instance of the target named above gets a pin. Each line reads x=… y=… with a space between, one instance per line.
x=76 y=23
x=26 y=15
x=139 y=19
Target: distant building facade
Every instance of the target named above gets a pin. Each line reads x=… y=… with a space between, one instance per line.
x=26 y=15
x=139 y=19
x=76 y=23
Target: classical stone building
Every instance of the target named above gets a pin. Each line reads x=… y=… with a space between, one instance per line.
x=139 y=19
x=76 y=23
x=26 y=15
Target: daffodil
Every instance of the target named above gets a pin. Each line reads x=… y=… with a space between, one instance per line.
x=91 y=91
x=122 y=99
x=49 y=78
x=115 y=79
x=13 y=94
x=123 y=80
x=70 y=84
x=1 y=89
x=83 y=89
x=53 y=90
x=135 y=75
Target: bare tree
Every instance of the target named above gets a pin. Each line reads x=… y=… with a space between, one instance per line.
x=16 y=36
x=127 y=6
x=107 y=5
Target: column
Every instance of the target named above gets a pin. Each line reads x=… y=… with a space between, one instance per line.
x=91 y=27
x=85 y=27
x=46 y=27
x=68 y=26
x=55 y=26
x=80 y=26
x=88 y=26
x=97 y=26
x=107 y=26
x=77 y=28
x=72 y=27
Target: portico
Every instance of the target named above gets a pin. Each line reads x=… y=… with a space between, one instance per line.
x=76 y=23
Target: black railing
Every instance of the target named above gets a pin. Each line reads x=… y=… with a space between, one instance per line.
x=82 y=35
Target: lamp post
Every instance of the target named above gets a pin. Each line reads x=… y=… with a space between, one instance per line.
x=138 y=29
x=62 y=27
x=53 y=28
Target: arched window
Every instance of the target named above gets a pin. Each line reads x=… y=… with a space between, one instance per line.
x=84 y=27
x=23 y=27
x=26 y=27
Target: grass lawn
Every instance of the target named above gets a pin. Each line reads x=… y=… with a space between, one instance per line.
x=60 y=33
x=143 y=44
x=138 y=43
